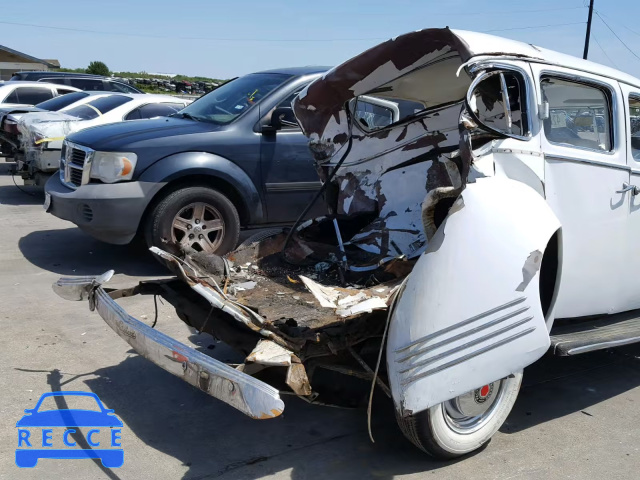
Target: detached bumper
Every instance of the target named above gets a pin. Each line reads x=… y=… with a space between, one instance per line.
x=108 y=212
x=243 y=392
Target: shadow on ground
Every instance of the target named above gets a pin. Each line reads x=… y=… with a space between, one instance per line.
x=21 y=195
x=213 y=440
x=555 y=387
x=69 y=251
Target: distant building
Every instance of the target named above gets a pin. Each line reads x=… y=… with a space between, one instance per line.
x=13 y=61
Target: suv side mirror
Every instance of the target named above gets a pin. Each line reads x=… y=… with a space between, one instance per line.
x=283 y=117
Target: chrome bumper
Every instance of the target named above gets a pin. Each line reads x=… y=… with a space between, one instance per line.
x=249 y=395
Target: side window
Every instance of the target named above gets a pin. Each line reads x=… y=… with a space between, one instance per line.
x=63 y=91
x=87 y=84
x=159 y=110
x=59 y=81
x=120 y=87
x=12 y=98
x=634 y=113
x=373 y=113
x=133 y=114
x=33 y=95
x=579 y=114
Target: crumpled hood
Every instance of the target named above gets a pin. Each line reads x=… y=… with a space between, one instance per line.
x=137 y=134
x=46 y=127
x=397 y=173
x=320 y=108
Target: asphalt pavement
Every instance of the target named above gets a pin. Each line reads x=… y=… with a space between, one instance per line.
x=575 y=417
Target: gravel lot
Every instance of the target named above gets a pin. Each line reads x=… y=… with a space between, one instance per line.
x=575 y=418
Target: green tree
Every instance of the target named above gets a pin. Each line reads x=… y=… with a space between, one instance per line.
x=98 y=68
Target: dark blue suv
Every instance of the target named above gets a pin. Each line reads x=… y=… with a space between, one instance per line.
x=235 y=158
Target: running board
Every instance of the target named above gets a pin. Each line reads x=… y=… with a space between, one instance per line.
x=597 y=334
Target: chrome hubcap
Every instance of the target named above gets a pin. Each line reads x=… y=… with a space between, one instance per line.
x=470 y=411
x=198 y=227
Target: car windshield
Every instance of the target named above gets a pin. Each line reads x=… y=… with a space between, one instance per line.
x=62 y=101
x=93 y=108
x=228 y=102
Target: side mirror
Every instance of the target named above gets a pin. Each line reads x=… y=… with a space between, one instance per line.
x=496 y=102
x=283 y=117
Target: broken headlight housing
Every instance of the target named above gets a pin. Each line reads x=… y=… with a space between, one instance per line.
x=111 y=167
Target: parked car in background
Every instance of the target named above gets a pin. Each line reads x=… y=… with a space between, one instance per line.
x=233 y=158
x=83 y=81
x=42 y=133
x=9 y=134
x=20 y=94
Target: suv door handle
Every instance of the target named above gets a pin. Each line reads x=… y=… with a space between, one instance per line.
x=627 y=187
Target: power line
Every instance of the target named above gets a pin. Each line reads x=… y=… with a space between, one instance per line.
x=221 y=39
x=620 y=23
x=612 y=31
x=503 y=12
x=535 y=26
x=146 y=35
x=603 y=51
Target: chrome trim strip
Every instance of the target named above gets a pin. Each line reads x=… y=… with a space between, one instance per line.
x=468 y=356
x=292 y=186
x=600 y=346
x=466 y=333
x=461 y=324
x=562 y=158
x=472 y=343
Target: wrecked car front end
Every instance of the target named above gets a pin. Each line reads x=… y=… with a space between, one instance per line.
x=416 y=218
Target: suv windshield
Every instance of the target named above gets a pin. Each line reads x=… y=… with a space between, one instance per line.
x=232 y=99
x=62 y=101
x=93 y=108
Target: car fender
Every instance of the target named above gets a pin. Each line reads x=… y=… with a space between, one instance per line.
x=185 y=164
x=470 y=312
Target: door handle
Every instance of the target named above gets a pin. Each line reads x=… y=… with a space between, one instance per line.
x=629 y=188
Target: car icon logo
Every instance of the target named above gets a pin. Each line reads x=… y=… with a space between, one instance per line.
x=59 y=426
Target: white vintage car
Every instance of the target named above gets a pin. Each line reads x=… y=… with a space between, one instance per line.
x=500 y=195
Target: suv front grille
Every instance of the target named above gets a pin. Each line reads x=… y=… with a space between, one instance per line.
x=76 y=156
x=75 y=164
x=75 y=177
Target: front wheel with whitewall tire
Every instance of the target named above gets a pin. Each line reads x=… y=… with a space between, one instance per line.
x=194 y=219
x=465 y=423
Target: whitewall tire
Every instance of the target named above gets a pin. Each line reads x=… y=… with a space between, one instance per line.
x=463 y=424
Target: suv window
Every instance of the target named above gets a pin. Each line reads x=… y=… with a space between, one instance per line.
x=87 y=83
x=154 y=110
x=58 y=103
x=579 y=114
x=634 y=120
x=29 y=95
x=89 y=110
x=120 y=87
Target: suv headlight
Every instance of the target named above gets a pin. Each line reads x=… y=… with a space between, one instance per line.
x=111 y=167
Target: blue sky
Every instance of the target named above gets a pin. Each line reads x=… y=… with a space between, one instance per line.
x=224 y=39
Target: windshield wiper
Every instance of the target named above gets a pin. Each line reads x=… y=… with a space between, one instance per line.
x=187 y=115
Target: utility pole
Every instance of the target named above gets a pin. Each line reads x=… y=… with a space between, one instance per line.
x=586 y=40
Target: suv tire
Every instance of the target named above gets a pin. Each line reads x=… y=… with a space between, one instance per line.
x=196 y=219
